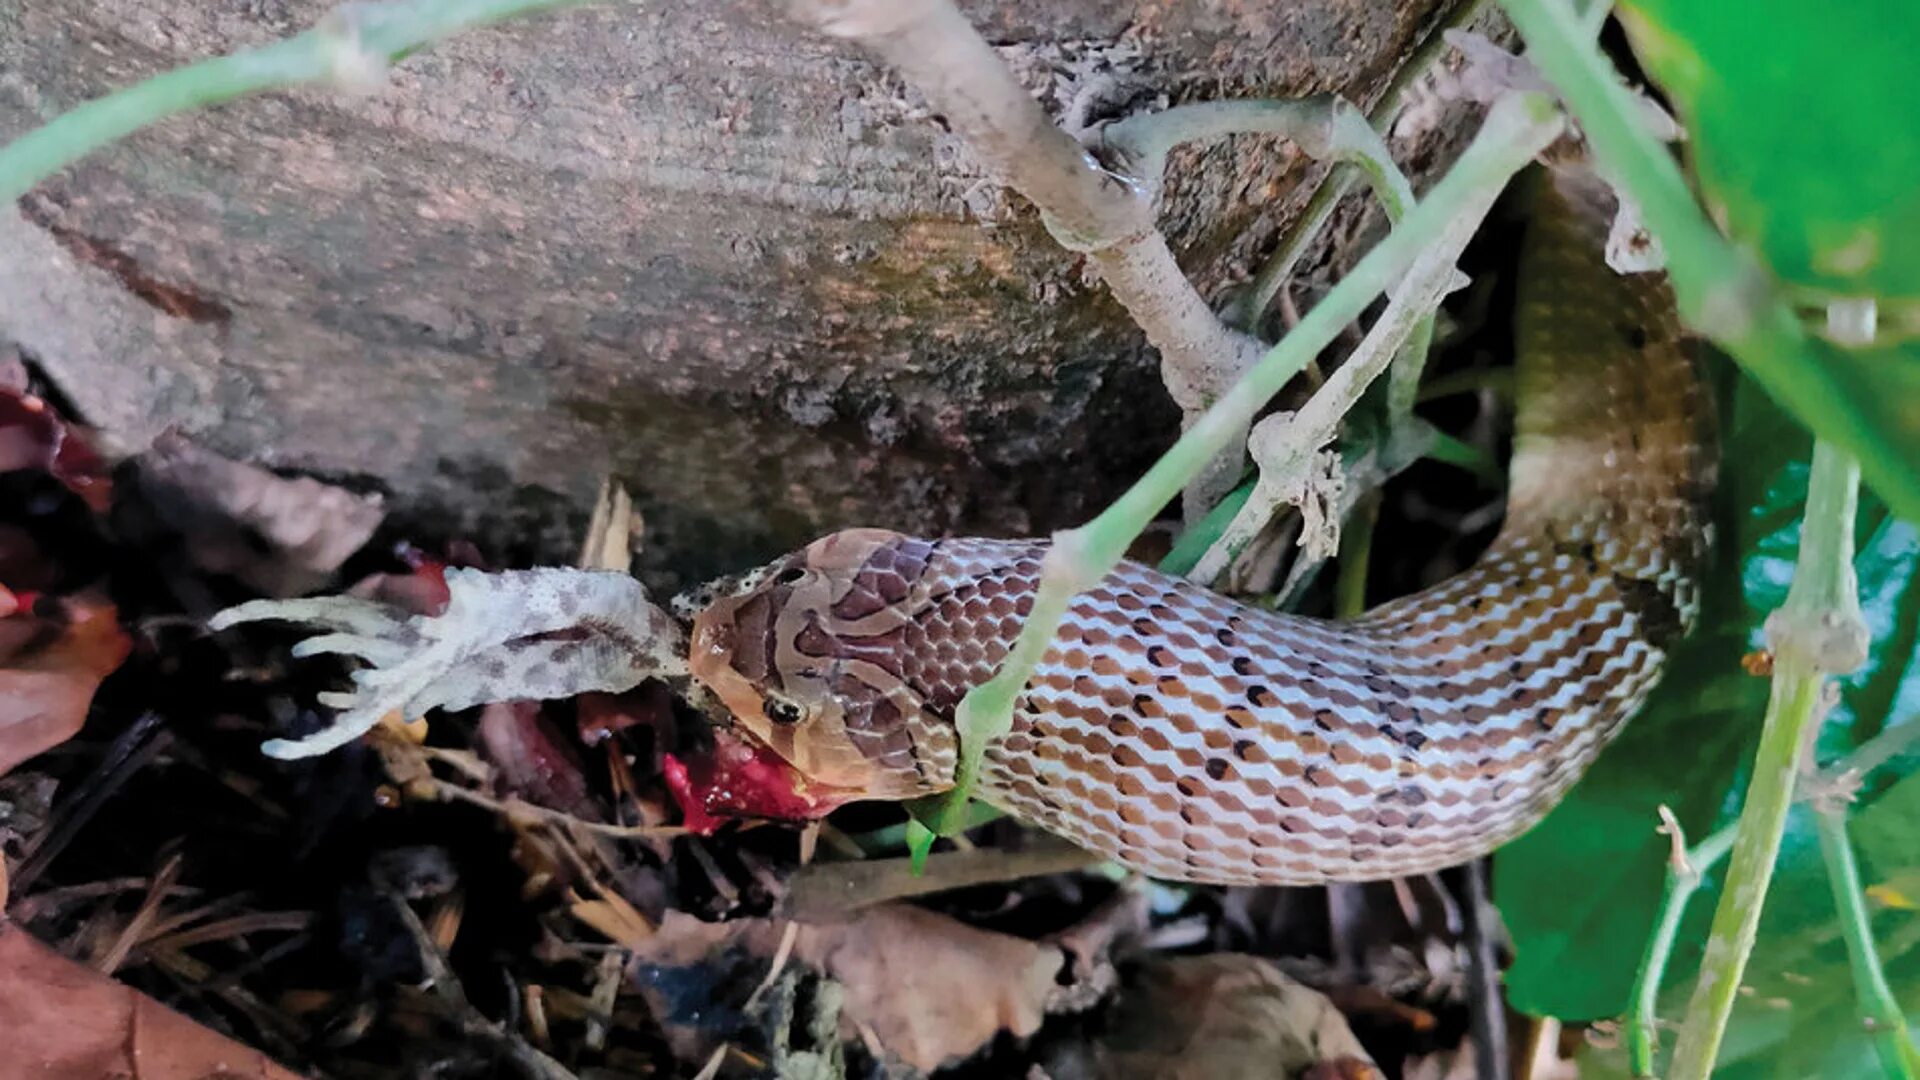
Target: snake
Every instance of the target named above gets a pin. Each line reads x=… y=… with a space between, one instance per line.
x=1194 y=738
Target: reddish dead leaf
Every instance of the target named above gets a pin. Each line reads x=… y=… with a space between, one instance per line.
x=738 y=780
x=602 y=716
x=67 y=1022
x=422 y=590
x=930 y=989
x=538 y=767
x=33 y=436
x=49 y=671
x=283 y=536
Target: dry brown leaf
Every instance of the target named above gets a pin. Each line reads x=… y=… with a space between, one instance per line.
x=227 y=511
x=47 y=687
x=1227 y=1016
x=927 y=988
x=64 y=1021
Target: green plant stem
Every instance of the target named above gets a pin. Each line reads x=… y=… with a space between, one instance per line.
x=1326 y=127
x=1892 y=741
x=1821 y=601
x=1516 y=129
x=346 y=45
x=1356 y=554
x=1460 y=454
x=1891 y=1038
x=1721 y=291
x=1684 y=872
x=1284 y=448
x=1496 y=381
x=1194 y=541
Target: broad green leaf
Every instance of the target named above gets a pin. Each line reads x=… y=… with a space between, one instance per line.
x=1580 y=892
x=1889 y=841
x=1800 y=130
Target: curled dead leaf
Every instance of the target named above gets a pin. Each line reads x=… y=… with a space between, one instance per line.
x=926 y=988
x=49 y=671
x=64 y=1021
x=34 y=436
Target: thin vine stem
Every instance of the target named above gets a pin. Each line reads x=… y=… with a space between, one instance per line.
x=1516 y=129
x=1892 y=741
x=350 y=44
x=1356 y=558
x=1892 y=1040
x=1816 y=632
x=1326 y=127
x=1685 y=869
x=1406 y=323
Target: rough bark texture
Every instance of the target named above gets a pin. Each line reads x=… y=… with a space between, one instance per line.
x=692 y=244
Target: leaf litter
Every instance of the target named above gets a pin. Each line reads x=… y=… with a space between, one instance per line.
x=548 y=889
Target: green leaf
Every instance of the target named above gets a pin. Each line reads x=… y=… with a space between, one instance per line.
x=1798 y=130
x=1579 y=892
x=1806 y=152
x=1887 y=836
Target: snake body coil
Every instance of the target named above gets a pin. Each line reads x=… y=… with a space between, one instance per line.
x=1194 y=738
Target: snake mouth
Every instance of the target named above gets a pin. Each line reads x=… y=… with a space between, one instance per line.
x=740 y=778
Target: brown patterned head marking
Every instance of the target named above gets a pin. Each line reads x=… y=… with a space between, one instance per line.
x=807 y=654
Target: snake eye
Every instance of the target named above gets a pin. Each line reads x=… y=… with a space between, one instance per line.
x=790 y=575
x=783 y=712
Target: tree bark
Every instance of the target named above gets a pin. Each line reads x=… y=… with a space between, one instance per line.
x=693 y=245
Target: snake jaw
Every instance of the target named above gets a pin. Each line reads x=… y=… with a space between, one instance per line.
x=805 y=657
x=740 y=779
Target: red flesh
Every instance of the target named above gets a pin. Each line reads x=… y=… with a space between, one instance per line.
x=740 y=780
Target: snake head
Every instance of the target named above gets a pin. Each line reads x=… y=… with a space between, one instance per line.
x=809 y=654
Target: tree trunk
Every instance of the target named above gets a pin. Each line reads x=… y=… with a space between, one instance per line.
x=694 y=245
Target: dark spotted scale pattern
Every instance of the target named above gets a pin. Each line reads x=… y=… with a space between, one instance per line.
x=1194 y=738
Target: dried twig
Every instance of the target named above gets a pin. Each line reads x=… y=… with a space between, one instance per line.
x=827 y=891
x=446 y=985
x=1285 y=445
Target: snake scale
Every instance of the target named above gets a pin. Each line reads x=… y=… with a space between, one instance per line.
x=1194 y=738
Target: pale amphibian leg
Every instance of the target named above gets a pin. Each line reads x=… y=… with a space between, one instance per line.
x=519 y=634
